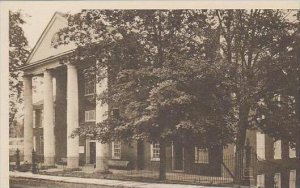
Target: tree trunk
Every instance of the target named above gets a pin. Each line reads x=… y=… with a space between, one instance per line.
x=240 y=143
x=163 y=161
x=297 y=98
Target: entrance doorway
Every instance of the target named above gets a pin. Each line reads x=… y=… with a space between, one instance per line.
x=178 y=156
x=92 y=152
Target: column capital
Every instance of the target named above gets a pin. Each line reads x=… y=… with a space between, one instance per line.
x=47 y=71
x=27 y=76
x=71 y=66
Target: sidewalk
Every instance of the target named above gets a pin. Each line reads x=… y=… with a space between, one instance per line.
x=104 y=182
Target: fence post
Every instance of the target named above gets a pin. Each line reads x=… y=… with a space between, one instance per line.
x=34 y=165
x=18 y=159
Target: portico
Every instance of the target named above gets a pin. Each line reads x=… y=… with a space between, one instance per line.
x=49 y=121
x=61 y=102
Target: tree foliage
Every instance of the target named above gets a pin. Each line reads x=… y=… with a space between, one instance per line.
x=18 y=53
x=162 y=67
x=201 y=76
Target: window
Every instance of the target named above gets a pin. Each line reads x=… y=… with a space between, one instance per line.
x=41 y=146
x=292 y=179
x=260 y=145
x=89 y=85
x=116 y=112
x=277 y=180
x=41 y=121
x=155 y=151
x=277 y=149
x=34 y=143
x=116 y=150
x=34 y=119
x=292 y=152
x=261 y=181
x=38 y=118
x=90 y=116
x=201 y=155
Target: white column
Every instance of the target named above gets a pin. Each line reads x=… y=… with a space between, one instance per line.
x=49 y=138
x=72 y=117
x=102 y=150
x=28 y=119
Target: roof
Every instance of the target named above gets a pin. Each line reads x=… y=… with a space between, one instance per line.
x=43 y=50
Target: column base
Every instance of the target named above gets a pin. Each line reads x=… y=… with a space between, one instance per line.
x=72 y=162
x=102 y=164
x=49 y=161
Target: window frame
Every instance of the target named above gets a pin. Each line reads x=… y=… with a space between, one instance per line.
x=292 y=152
x=86 y=114
x=292 y=181
x=155 y=149
x=201 y=152
x=41 y=145
x=89 y=82
x=260 y=184
x=277 y=149
x=279 y=180
x=113 y=155
x=261 y=151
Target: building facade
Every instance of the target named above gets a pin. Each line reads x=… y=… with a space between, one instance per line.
x=69 y=101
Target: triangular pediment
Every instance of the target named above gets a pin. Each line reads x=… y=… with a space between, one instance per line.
x=44 y=47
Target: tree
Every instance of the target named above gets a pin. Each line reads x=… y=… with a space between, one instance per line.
x=257 y=47
x=162 y=67
x=191 y=74
x=18 y=53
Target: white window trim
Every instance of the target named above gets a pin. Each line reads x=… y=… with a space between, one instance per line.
x=261 y=152
x=279 y=180
x=292 y=179
x=292 y=152
x=204 y=159
x=34 y=119
x=260 y=184
x=86 y=114
x=34 y=143
x=113 y=156
x=151 y=152
x=277 y=148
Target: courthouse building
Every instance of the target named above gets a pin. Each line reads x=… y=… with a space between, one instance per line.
x=69 y=102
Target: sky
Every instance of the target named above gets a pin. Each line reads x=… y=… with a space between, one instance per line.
x=37 y=20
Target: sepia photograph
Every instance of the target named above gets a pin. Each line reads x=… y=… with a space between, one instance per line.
x=153 y=97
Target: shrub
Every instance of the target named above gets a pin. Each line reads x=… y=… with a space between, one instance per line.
x=47 y=167
x=72 y=169
x=24 y=167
